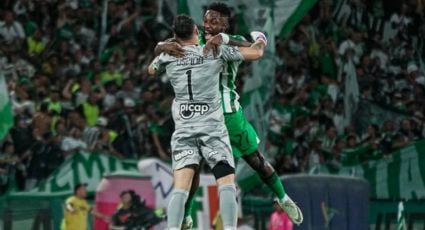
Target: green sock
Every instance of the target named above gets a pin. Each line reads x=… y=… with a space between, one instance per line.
x=188 y=206
x=275 y=185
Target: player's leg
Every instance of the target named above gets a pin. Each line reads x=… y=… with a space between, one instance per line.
x=267 y=173
x=245 y=140
x=182 y=182
x=225 y=176
x=185 y=161
x=188 y=222
x=216 y=150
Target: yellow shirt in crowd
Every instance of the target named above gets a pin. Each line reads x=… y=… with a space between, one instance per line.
x=91 y=113
x=34 y=46
x=77 y=219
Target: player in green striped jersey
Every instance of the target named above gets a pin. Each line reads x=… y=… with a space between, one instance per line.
x=243 y=138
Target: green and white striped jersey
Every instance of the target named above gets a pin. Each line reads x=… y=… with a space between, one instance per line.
x=229 y=96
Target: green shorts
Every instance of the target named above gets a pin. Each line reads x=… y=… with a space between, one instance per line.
x=243 y=138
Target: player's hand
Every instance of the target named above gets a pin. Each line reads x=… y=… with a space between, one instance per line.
x=172 y=48
x=259 y=36
x=213 y=44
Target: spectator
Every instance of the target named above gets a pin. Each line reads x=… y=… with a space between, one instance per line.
x=9 y=165
x=90 y=110
x=315 y=156
x=111 y=74
x=279 y=220
x=42 y=120
x=371 y=136
x=133 y=213
x=286 y=165
x=329 y=140
x=35 y=44
x=37 y=157
x=100 y=139
x=128 y=91
x=405 y=135
x=11 y=31
x=74 y=142
x=110 y=97
x=77 y=208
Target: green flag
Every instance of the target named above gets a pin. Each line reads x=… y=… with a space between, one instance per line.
x=6 y=116
x=401 y=220
x=288 y=13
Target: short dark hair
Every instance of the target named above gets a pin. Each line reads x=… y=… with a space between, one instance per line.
x=220 y=7
x=78 y=186
x=183 y=26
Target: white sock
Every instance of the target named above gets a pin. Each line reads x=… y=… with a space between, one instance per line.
x=175 y=209
x=228 y=206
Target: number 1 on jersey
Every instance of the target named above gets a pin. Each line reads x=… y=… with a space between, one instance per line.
x=189 y=84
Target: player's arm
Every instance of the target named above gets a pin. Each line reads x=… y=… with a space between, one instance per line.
x=155 y=67
x=217 y=40
x=239 y=42
x=170 y=47
x=151 y=70
x=252 y=52
x=256 y=50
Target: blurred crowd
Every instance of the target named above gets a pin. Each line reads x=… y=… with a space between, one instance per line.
x=340 y=57
x=77 y=78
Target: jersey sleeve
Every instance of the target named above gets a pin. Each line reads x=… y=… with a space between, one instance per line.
x=238 y=37
x=230 y=53
x=159 y=63
x=70 y=204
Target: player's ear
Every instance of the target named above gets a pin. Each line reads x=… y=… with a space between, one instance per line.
x=225 y=24
x=196 y=31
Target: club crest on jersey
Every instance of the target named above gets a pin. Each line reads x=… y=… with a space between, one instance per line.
x=189 y=110
x=182 y=154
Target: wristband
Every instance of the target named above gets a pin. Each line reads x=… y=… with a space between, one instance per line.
x=225 y=38
x=258 y=36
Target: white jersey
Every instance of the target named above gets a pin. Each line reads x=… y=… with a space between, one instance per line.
x=195 y=80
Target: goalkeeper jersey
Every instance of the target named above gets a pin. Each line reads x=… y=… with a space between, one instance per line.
x=195 y=79
x=229 y=96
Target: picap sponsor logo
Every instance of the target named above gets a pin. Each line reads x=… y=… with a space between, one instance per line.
x=182 y=154
x=189 y=110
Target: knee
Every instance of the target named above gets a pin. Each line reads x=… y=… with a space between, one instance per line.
x=222 y=170
x=259 y=164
